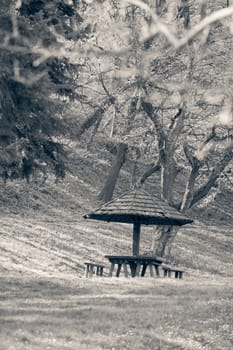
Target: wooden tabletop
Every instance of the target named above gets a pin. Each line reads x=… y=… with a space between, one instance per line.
x=131 y=258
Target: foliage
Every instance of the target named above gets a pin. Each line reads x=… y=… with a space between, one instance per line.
x=34 y=91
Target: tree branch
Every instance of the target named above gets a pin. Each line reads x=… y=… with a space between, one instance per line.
x=177 y=125
x=94 y=117
x=150 y=171
x=151 y=112
x=193 y=161
x=172 y=39
x=216 y=172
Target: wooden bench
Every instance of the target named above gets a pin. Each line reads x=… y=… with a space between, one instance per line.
x=167 y=271
x=93 y=269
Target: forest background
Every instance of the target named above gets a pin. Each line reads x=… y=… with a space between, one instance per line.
x=150 y=81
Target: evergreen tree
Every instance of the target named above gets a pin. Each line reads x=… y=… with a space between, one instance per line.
x=33 y=91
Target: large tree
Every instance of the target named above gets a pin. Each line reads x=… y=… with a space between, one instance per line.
x=169 y=72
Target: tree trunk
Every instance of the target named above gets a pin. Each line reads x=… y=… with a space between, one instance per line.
x=107 y=191
x=169 y=172
x=163 y=239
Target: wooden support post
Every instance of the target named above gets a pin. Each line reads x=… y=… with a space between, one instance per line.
x=136 y=239
x=111 y=269
x=125 y=270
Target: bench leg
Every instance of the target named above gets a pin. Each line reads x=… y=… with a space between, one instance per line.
x=111 y=269
x=99 y=271
x=86 y=271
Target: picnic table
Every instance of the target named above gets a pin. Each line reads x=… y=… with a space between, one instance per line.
x=137 y=265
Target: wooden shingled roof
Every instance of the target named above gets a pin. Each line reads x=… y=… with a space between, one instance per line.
x=138 y=206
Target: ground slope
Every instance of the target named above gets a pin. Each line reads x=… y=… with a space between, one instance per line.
x=46 y=303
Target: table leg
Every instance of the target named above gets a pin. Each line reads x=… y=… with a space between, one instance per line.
x=143 y=270
x=111 y=269
x=125 y=270
x=118 y=270
x=157 y=270
x=133 y=269
x=151 y=270
x=138 y=269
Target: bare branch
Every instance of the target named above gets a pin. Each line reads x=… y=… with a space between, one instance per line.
x=177 y=124
x=216 y=172
x=212 y=18
x=155 y=167
x=160 y=26
x=151 y=111
x=190 y=156
x=190 y=34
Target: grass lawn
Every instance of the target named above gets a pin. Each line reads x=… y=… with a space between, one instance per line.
x=69 y=312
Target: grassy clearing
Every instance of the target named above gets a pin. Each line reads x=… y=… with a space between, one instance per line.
x=66 y=312
x=45 y=303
